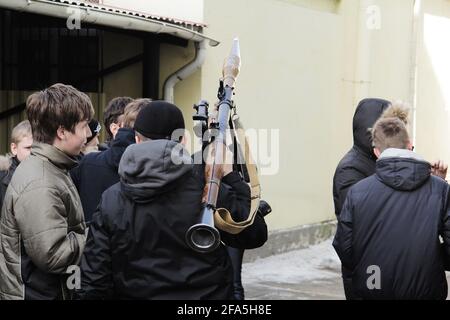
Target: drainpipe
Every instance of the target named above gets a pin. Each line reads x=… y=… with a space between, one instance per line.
x=184 y=72
x=413 y=72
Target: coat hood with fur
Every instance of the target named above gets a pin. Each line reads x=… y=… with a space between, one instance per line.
x=5 y=163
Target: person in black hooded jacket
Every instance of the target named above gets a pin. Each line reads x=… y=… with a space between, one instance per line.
x=359 y=162
x=136 y=246
x=389 y=228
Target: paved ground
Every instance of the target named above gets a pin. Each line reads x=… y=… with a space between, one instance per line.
x=309 y=274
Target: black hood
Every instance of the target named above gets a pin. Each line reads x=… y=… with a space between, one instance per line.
x=152 y=168
x=402 y=169
x=366 y=114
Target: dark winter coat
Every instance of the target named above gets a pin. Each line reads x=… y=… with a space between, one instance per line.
x=392 y=221
x=136 y=246
x=97 y=171
x=358 y=163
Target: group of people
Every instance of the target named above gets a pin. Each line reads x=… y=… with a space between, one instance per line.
x=117 y=211
x=393 y=211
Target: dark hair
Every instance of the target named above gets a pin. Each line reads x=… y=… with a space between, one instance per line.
x=114 y=109
x=57 y=106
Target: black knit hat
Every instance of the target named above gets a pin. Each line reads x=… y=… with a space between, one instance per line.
x=158 y=120
x=95 y=127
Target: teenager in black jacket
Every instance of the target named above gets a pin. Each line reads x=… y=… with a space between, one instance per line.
x=389 y=229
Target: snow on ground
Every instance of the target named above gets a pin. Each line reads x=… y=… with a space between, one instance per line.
x=316 y=262
x=312 y=273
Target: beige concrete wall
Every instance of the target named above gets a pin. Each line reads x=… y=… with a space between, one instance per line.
x=433 y=86
x=383 y=53
x=395 y=56
x=390 y=50
x=322 y=5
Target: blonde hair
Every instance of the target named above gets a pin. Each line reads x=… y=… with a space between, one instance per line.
x=132 y=111
x=390 y=133
x=398 y=109
x=23 y=129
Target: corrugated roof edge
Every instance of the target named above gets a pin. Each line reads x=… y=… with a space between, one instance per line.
x=132 y=13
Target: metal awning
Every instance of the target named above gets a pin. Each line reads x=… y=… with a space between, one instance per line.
x=113 y=17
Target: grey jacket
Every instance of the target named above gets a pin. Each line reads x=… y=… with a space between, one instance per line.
x=42 y=229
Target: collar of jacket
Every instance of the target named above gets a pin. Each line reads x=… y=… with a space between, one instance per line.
x=400 y=153
x=14 y=163
x=53 y=155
